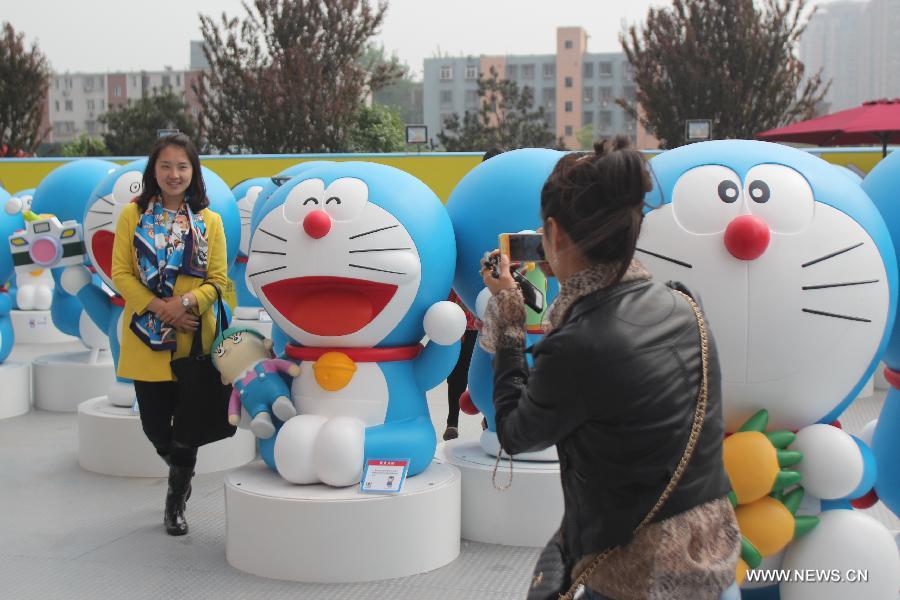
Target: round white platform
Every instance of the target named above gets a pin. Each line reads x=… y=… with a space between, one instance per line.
x=527 y=514
x=316 y=533
x=264 y=327
x=36 y=327
x=63 y=381
x=14 y=399
x=111 y=442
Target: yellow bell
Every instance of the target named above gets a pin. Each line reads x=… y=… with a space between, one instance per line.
x=334 y=370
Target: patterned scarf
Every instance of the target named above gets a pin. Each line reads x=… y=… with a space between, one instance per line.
x=161 y=256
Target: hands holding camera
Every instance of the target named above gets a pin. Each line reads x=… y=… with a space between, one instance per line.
x=496 y=270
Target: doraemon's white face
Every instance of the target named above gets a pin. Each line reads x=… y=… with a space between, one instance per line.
x=245 y=206
x=332 y=268
x=795 y=290
x=100 y=222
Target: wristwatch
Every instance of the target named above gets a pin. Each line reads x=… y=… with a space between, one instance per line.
x=185 y=302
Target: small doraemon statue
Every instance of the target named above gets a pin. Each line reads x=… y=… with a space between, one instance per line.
x=244 y=358
x=354 y=261
x=9 y=224
x=32 y=290
x=501 y=195
x=99 y=218
x=797 y=275
x=246 y=193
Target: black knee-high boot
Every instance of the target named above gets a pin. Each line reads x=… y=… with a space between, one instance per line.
x=176 y=498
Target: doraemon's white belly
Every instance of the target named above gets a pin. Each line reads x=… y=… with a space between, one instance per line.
x=365 y=397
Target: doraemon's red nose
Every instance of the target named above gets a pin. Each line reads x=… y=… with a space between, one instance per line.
x=317 y=224
x=747 y=237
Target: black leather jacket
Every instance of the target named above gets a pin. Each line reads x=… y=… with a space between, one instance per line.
x=615 y=388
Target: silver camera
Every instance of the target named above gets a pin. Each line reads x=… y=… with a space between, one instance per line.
x=46 y=244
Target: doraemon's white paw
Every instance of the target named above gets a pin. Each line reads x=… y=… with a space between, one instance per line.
x=294 y=448
x=14 y=206
x=481 y=302
x=445 y=323
x=832 y=465
x=339 y=451
x=283 y=408
x=74 y=278
x=121 y=394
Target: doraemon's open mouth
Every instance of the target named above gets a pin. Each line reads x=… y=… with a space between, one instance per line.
x=102 y=248
x=329 y=306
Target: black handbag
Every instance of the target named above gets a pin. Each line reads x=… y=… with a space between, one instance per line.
x=201 y=412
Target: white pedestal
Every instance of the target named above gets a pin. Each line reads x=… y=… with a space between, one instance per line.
x=14 y=399
x=36 y=327
x=316 y=533
x=111 y=442
x=262 y=326
x=526 y=514
x=65 y=380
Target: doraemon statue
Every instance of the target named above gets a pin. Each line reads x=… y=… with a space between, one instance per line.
x=64 y=192
x=797 y=275
x=246 y=193
x=501 y=195
x=100 y=216
x=354 y=261
x=883 y=186
x=9 y=224
x=32 y=290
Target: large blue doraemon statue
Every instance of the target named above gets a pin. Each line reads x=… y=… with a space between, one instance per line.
x=353 y=262
x=501 y=195
x=883 y=186
x=100 y=215
x=64 y=193
x=798 y=278
x=9 y=224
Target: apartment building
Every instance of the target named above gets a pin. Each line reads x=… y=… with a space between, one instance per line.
x=575 y=87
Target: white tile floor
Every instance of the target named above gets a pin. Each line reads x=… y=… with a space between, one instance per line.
x=69 y=534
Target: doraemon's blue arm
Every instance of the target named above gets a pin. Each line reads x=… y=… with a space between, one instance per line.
x=434 y=364
x=6 y=328
x=65 y=311
x=886 y=448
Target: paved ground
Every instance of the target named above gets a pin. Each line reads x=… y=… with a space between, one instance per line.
x=69 y=534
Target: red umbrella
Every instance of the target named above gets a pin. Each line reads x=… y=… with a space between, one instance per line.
x=876 y=120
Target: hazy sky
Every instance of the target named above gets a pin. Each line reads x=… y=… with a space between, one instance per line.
x=106 y=35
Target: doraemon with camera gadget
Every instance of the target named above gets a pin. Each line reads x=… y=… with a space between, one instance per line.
x=32 y=289
x=354 y=261
x=797 y=275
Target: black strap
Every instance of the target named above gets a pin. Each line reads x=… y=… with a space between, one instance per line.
x=221 y=324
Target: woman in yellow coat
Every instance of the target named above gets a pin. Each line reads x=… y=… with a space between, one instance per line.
x=168 y=247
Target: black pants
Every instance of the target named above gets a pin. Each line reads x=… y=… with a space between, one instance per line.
x=458 y=379
x=157 y=401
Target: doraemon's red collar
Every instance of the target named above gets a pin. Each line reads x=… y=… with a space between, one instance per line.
x=242 y=260
x=117 y=300
x=394 y=354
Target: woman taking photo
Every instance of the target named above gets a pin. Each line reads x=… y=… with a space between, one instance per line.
x=168 y=246
x=615 y=385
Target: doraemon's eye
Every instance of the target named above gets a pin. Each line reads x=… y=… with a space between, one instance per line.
x=236 y=338
x=346 y=198
x=305 y=197
x=705 y=199
x=127 y=186
x=220 y=351
x=781 y=196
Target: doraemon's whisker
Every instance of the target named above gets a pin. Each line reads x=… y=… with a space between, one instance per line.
x=359 y=235
x=836 y=316
x=267 y=271
x=101 y=212
x=277 y=237
x=835 y=285
x=378 y=250
x=110 y=202
x=268 y=252
x=101 y=225
x=664 y=257
x=832 y=255
x=379 y=270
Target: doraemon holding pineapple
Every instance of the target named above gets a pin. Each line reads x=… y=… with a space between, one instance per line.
x=797 y=274
x=354 y=261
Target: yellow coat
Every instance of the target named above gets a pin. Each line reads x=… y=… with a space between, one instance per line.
x=136 y=359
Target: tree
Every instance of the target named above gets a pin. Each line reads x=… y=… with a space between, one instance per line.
x=290 y=76
x=404 y=93
x=376 y=129
x=732 y=61
x=132 y=130
x=585 y=137
x=507 y=119
x=85 y=146
x=24 y=79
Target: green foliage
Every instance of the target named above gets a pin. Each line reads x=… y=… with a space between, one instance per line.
x=732 y=61
x=404 y=93
x=507 y=119
x=585 y=137
x=131 y=131
x=85 y=146
x=376 y=129
x=24 y=78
